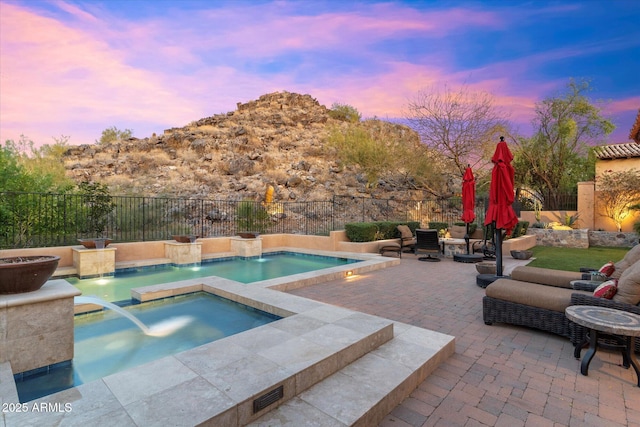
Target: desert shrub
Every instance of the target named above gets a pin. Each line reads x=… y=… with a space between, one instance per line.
x=252 y=216
x=436 y=225
x=344 y=112
x=376 y=230
x=113 y=134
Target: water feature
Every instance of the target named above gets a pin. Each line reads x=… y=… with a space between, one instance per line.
x=108 y=341
x=161 y=329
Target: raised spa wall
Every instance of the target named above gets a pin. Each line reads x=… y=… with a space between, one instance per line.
x=38 y=320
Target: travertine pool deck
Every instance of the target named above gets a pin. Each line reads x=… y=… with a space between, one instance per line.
x=500 y=375
x=336 y=366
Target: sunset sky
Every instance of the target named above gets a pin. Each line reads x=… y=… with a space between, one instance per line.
x=75 y=68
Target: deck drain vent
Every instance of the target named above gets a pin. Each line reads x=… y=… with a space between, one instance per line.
x=267 y=399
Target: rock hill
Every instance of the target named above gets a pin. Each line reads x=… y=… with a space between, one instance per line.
x=278 y=139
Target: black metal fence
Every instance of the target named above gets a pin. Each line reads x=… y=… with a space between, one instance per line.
x=41 y=220
x=547 y=202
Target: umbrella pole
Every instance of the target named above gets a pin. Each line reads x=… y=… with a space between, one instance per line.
x=466 y=238
x=498 y=240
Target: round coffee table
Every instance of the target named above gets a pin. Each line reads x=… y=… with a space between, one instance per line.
x=606 y=321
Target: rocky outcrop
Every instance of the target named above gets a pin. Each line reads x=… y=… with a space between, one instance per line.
x=278 y=139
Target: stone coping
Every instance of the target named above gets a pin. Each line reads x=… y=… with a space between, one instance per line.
x=307 y=352
x=51 y=290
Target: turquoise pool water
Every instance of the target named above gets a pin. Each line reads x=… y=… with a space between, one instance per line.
x=244 y=270
x=106 y=343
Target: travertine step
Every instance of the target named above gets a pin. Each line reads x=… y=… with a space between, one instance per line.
x=364 y=392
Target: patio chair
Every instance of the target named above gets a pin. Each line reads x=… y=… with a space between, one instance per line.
x=427 y=241
x=407 y=239
x=486 y=246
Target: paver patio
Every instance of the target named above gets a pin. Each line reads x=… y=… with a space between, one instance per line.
x=500 y=375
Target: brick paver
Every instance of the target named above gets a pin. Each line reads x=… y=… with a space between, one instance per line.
x=500 y=375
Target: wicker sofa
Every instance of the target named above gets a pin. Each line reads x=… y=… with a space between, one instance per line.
x=537 y=297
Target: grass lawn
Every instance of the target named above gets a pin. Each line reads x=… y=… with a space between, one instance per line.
x=571 y=259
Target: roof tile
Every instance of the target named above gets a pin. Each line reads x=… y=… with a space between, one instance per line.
x=618 y=151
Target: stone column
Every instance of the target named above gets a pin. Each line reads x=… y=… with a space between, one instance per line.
x=586 y=204
x=94 y=262
x=36 y=328
x=183 y=253
x=247 y=247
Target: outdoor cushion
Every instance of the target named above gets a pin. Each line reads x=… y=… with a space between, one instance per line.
x=545 y=276
x=607 y=269
x=606 y=289
x=532 y=294
x=629 y=259
x=405 y=232
x=629 y=285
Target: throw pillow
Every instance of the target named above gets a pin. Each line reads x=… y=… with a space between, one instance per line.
x=629 y=286
x=405 y=232
x=608 y=269
x=629 y=259
x=606 y=290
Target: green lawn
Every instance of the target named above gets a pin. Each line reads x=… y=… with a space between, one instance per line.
x=571 y=259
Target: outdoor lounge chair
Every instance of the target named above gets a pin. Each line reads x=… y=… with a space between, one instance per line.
x=427 y=241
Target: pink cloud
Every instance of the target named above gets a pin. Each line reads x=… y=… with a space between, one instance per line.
x=81 y=76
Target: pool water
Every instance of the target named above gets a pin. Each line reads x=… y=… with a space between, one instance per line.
x=106 y=343
x=244 y=270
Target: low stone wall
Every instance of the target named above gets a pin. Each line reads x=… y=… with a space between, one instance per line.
x=612 y=239
x=578 y=238
x=582 y=238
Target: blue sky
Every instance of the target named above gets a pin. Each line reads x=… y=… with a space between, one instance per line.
x=75 y=68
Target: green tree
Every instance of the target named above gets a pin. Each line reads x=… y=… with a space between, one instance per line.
x=25 y=170
x=113 y=134
x=345 y=113
x=619 y=192
x=34 y=170
x=97 y=206
x=556 y=157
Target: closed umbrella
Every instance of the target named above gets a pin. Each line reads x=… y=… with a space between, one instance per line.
x=468 y=201
x=468 y=213
x=501 y=197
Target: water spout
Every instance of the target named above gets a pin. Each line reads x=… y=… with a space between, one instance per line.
x=160 y=329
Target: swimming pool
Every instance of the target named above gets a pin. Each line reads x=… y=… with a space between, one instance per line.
x=243 y=270
x=106 y=343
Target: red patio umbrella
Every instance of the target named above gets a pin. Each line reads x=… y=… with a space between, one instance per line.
x=468 y=196
x=468 y=200
x=501 y=197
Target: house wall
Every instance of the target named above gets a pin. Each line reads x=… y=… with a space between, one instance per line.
x=617 y=165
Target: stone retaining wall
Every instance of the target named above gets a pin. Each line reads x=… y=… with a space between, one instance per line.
x=578 y=238
x=610 y=238
x=582 y=238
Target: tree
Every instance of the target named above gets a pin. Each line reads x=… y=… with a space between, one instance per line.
x=113 y=134
x=25 y=168
x=556 y=157
x=460 y=124
x=619 y=192
x=96 y=208
x=344 y=112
